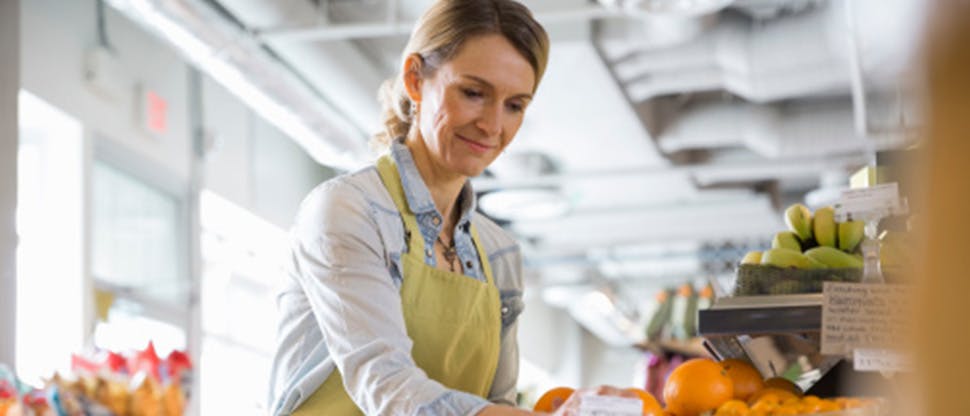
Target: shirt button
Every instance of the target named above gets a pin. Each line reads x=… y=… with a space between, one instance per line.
x=468 y=264
x=436 y=220
x=505 y=310
x=428 y=252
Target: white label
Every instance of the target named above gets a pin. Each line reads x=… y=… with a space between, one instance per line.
x=865 y=359
x=868 y=203
x=593 y=405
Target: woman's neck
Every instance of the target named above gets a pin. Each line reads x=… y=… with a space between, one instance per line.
x=444 y=185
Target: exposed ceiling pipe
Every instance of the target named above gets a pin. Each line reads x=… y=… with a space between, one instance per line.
x=752 y=60
x=337 y=69
x=396 y=27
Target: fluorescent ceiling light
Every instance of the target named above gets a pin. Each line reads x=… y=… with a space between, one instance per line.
x=211 y=63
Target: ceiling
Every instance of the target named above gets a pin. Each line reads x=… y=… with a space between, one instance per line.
x=670 y=129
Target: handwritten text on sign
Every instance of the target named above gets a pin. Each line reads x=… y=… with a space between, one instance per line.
x=856 y=315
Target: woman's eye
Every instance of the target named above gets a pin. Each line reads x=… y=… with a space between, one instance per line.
x=515 y=107
x=470 y=93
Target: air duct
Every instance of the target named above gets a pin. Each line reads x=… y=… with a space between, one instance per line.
x=797 y=129
x=760 y=61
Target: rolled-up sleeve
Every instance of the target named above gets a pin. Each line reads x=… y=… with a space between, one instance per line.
x=341 y=266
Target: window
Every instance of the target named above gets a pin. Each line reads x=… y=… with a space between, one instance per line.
x=137 y=237
x=50 y=216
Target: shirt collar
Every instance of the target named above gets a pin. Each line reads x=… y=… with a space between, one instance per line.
x=416 y=191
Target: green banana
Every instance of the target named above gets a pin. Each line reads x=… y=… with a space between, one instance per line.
x=786 y=239
x=824 y=227
x=783 y=257
x=753 y=257
x=834 y=258
x=851 y=234
x=799 y=219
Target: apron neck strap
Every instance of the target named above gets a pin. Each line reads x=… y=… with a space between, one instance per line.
x=392 y=181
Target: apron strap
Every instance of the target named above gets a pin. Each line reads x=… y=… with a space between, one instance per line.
x=482 y=256
x=392 y=181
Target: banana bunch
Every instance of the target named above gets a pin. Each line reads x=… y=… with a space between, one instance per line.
x=812 y=242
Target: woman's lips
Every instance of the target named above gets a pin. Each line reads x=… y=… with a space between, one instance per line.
x=476 y=146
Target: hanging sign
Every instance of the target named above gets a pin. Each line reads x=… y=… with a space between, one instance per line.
x=870 y=203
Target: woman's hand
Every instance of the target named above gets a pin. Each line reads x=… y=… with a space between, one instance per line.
x=571 y=406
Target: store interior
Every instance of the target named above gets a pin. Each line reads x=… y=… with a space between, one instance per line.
x=156 y=152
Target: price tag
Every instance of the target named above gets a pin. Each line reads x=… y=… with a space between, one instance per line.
x=593 y=405
x=858 y=315
x=871 y=203
x=873 y=359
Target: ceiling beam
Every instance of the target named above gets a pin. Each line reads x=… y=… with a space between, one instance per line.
x=734 y=171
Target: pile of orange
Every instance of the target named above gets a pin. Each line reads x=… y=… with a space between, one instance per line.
x=729 y=388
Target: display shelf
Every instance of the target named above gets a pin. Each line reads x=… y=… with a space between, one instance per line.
x=752 y=315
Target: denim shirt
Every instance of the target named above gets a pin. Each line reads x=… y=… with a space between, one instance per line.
x=341 y=304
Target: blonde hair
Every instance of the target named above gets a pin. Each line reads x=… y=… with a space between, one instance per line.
x=438 y=36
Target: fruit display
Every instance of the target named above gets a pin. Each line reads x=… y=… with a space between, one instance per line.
x=814 y=249
x=733 y=387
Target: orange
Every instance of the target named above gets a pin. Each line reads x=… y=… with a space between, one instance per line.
x=787 y=410
x=732 y=408
x=772 y=395
x=766 y=406
x=784 y=384
x=552 y=399
x=697 y=386
x=825 y=406
x=651 y=407
x=747 y=380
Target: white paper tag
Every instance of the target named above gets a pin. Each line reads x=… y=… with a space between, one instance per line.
x=865 y=359
x=868 y=203
x=593 y=405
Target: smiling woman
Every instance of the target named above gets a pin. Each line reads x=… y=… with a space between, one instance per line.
x=401 y=298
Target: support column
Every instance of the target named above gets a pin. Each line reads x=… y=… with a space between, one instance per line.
x=9 y=88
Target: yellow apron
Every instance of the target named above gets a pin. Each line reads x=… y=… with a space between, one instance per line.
x=454 y=320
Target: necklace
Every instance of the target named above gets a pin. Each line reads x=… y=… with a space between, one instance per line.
x=450 y=253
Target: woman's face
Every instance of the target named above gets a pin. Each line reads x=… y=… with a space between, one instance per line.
x=473 y=105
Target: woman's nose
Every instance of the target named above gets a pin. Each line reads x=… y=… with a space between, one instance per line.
x=490 y=120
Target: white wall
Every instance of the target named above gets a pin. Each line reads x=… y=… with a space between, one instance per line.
x=56 y=36
x=9 y=86
x=252 y=163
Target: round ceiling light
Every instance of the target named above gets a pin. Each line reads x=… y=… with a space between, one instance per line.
x=525 y=204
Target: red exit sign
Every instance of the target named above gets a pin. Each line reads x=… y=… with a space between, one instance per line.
x=155 y=116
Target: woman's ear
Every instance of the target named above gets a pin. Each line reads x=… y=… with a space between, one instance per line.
x=412 y=76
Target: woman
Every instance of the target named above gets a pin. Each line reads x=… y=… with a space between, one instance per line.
x=403 y=300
